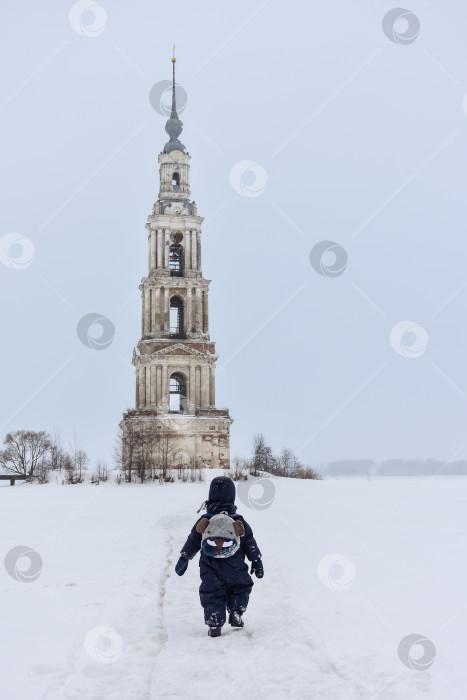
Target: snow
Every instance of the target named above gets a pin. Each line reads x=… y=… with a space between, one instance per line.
x=108 y=617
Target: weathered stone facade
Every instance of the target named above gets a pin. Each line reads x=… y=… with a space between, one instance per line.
x=175 y=359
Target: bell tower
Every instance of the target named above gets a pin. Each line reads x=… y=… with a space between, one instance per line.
x=175 y=360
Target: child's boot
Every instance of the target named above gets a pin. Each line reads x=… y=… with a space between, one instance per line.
x=235 y=619
x=214 y=631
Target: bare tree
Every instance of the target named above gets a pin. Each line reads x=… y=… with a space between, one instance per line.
x=182 y=472
x=308 y=473
x=287 y=463
x=68 y=469
x=130 y=448
x=240 y=466
x=81 y=461
x=43 y=470
x=165 y=453
x=57 y=453
x=195 y=469
x=76 y=463
x=117 y=451
x=101 y=473
x=24 y=452
x=144 y=452
x=262 y=459
x=143 y=462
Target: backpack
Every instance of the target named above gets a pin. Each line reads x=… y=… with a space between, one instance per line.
x=220 y=535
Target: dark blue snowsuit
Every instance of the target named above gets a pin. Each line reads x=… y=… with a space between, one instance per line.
x=224 y=582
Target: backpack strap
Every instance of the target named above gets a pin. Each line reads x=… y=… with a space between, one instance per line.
x=202 y=506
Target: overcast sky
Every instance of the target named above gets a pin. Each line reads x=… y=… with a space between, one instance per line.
x=359 y=137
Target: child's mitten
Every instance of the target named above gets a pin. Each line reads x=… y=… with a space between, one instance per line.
x=181 y=566
x=257 y=568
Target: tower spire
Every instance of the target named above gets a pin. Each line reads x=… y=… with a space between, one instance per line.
x=174 y=125
x=174 y=101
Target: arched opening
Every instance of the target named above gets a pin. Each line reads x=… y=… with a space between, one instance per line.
x=177 y=393
x=176 y=260
x=176 y=182
x=176 y=317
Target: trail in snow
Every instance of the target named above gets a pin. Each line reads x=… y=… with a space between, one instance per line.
x=112 y=567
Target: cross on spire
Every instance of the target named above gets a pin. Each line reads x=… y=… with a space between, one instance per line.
x=174 y=103
x=174 y=125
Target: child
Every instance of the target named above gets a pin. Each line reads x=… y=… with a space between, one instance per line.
x=225 y=580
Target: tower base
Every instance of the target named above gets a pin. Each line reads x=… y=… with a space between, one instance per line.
x=171 y=440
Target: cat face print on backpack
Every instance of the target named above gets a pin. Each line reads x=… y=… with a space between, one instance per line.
x=221 y=535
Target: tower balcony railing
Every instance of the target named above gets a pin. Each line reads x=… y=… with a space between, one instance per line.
x=177 y=334
x=210 y=411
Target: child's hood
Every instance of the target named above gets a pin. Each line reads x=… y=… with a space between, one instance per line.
x=222 y=490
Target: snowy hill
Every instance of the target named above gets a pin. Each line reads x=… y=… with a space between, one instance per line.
x=107 y=617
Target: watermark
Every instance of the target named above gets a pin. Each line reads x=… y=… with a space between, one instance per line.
x=16 y=251
x=258 y=494
x=17 y=558
x=88 y=18
x=408 y=339
x=103 y=644
x=96 y=331
x=247 y=178
x=336 y=572
x=328 y=259
x=401 y=26
x=416 y=652
x=160 y=97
